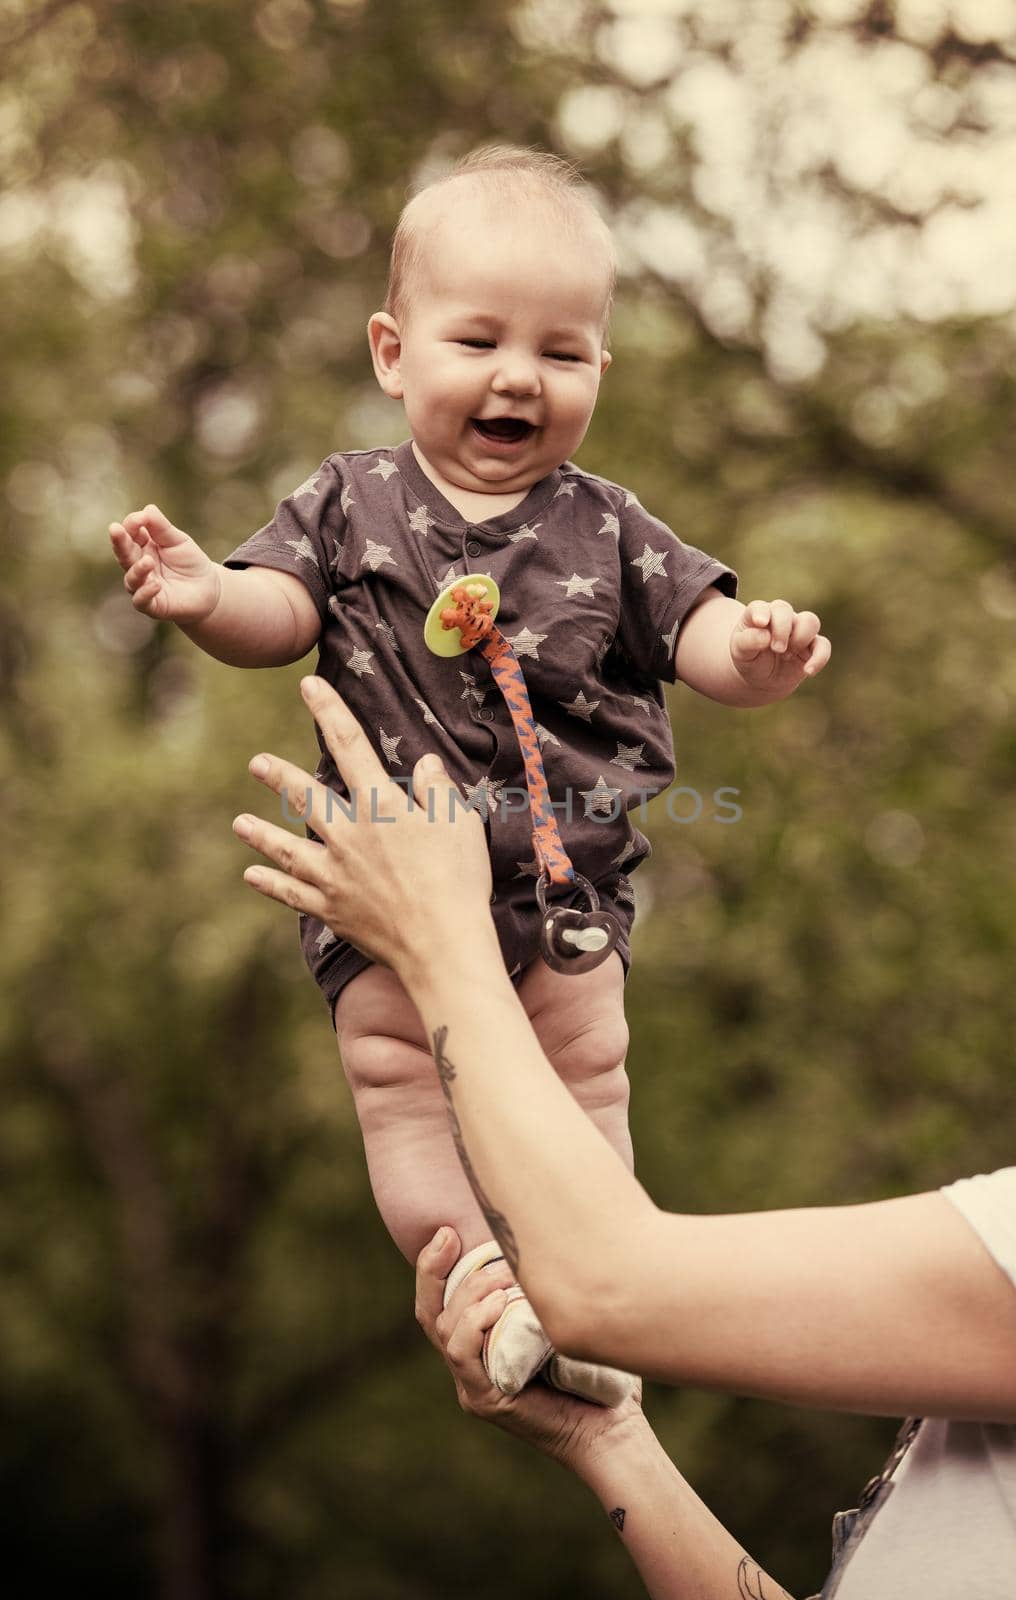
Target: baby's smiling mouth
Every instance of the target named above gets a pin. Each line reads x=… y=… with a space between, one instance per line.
x=508 y=430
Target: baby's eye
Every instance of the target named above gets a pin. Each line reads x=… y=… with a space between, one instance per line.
x=562 y=355
x=478 y=344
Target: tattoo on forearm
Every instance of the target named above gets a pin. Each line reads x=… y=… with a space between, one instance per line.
x=752 y=1583
x=617 y=1518
x=498 y=1222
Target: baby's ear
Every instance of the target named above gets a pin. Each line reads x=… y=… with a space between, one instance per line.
x=605 y=359
x=386 y=352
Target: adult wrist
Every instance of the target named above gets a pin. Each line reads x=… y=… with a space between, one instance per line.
x=436 y=955
x=607 y=1459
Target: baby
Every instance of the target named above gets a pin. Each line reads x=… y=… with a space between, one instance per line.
x=492 y=336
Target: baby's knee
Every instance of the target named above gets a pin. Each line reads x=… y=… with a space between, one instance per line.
x=594 y=1050
x=377 y=1061
x=380 y=1037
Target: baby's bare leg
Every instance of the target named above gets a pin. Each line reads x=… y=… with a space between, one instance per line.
x=414 y=1170
x=579 y=1021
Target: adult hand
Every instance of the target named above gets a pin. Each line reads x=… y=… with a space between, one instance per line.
x=383 y=854
x=570 y=1430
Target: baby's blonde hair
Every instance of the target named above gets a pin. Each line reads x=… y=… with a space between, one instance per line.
x=510 y=172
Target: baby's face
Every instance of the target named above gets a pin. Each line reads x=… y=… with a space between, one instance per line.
x=502 y=351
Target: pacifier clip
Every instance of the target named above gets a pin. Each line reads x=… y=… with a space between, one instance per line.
x=462 y=619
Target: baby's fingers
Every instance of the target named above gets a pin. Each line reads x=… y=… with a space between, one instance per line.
x=747 y=643
x=803 y=632
x=150 y=597
x=821 y=650
x=752 y=633
x=781 y=622
x=125 y=548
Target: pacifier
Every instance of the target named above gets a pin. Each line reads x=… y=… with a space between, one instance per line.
x=462 y=619
x=573 y=940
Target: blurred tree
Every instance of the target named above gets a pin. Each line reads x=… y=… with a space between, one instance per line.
x=210 y=1378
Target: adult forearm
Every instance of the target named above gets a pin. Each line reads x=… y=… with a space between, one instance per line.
x=681 y=1551
x=560 y=1201
x=253 y=623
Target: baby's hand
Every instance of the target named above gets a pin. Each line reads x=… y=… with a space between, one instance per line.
x=168 y=576
x=773 y=646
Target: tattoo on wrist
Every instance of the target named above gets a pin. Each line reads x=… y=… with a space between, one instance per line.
x=497 y=1221
x=617 y=1518
x=753 y=1584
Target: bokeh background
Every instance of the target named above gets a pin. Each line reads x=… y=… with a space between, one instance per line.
x=211 y=1383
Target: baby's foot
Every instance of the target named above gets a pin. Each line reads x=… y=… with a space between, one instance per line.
x=605 y=1386
x=516 y=1349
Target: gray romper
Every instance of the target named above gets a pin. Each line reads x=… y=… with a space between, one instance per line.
x=593 y=591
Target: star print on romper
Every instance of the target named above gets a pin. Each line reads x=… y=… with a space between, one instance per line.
x=526 y=643
x=308 y=489
x=652 y=563
x=576 y=585
x=390 y=746
x=303 y=549
x=580 y=707
x=360 y=662
x=600 y=799
x=629 y=756
x=377 y=555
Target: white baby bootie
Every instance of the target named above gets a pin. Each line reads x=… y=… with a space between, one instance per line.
x=605 y=1386
x=516 y=1348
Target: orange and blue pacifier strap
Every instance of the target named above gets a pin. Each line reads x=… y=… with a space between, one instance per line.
x=470 y=607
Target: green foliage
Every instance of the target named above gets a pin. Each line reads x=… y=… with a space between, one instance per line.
x=210 y=1380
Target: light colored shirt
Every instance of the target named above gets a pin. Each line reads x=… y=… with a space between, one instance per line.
x=947 y=1529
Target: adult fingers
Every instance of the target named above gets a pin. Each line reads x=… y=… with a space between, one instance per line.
x=291 y=892
x=495 y=1275
x=440 y=798
x=300 y=860
x=303 y=798
x=464 y=1348
x=433 y=1265
x=352 y=751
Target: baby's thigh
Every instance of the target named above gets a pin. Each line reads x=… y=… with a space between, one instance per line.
x=579 y=1021
x=381 y=1038
x=578 y=1018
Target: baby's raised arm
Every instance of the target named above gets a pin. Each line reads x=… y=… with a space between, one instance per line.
x=251 y=618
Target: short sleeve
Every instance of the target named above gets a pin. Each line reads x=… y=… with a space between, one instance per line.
x=305 y=535
x=661 y=579
x=988 y=1202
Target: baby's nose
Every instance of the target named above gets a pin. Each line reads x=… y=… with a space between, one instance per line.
x=516 y=374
